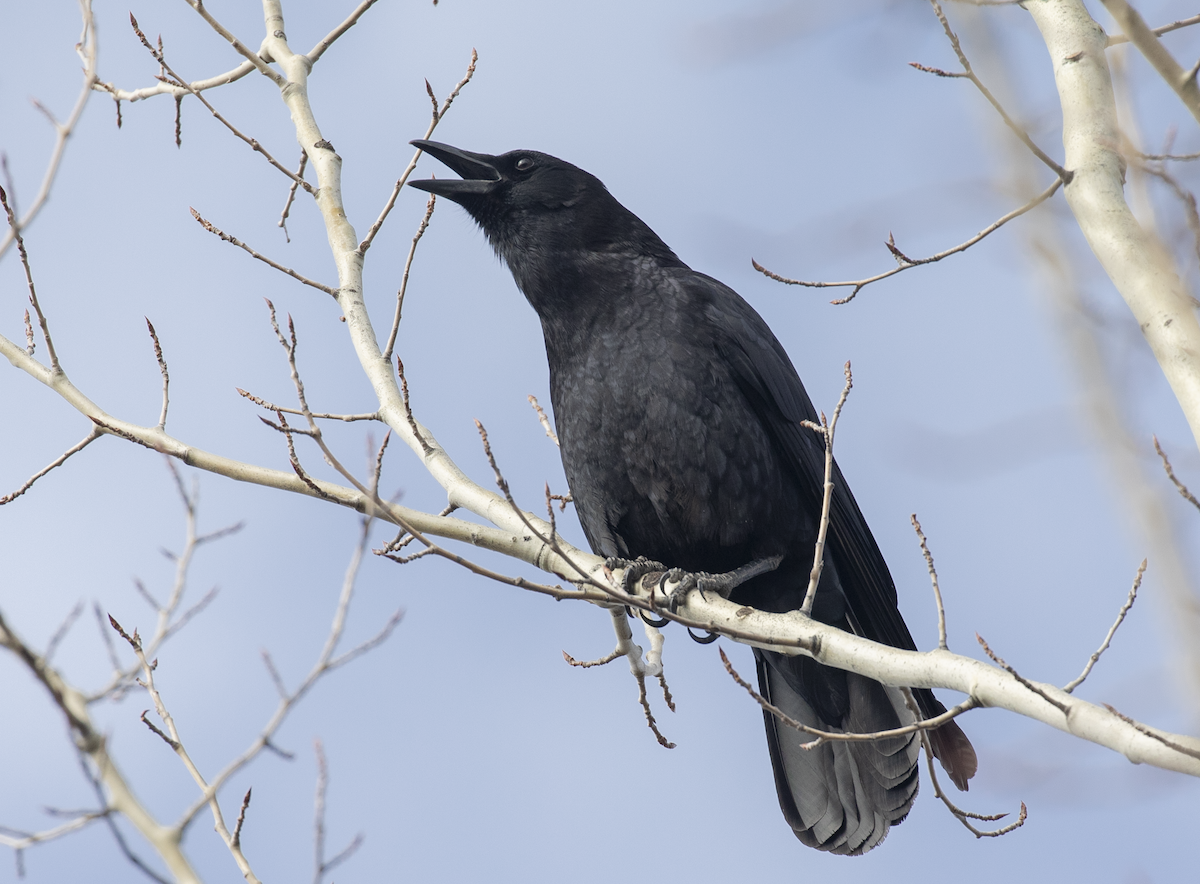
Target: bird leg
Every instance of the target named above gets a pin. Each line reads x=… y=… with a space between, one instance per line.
x=721 y=584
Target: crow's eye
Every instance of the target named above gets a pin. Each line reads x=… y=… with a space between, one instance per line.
x=524 y=164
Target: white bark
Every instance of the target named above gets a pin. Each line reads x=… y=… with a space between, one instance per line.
x=1133 y=260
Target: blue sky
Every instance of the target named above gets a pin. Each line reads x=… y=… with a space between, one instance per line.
x=793 y=133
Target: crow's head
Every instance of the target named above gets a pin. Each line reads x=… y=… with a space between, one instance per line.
x=532 y=205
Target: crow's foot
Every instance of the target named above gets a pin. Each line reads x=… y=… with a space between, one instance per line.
x=635 y=570
x=721 y=584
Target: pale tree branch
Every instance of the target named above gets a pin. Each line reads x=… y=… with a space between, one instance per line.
x=1182 y=82
x=111 y=785
x=322 y=866
x=88 y=50
x=1117 y=39
x=327 y=661
x=1133 y=260
x=172 y=738
x=179 y=81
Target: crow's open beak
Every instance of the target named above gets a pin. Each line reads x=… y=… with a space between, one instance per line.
x=478 y=171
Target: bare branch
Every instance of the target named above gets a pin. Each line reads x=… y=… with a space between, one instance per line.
x=963 y=816
x=545 y=421
x=241 y=819
x=15 y=228
x=1138 y=32
x=906 y=263
x=328 y=40
x=1179 y=486
x=1133 y=591
x=91 y=437
x=178 y=81
x=162 y=367
x=1117 y=39
x=270 y=406
x=827 y=430
x=614 y=654
x=321 y=866
x=1057 y=704
x=211 y=228
x=937 y=592
x=61 y=632
x=412 y=164
x=172 y=738
x=88 y=51
x=287 y=206
x=824 y=736
x=1063 y=174
x=237 y=44
x=111 y=787
x=412 y=251
x=412 y=423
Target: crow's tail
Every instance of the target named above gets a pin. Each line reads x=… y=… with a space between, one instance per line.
x=838 y=796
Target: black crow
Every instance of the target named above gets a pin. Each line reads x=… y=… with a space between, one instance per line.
x=679 y=420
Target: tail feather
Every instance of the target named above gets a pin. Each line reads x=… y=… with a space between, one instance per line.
x=840 y=796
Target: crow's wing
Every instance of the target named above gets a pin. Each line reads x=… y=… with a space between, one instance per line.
x=771 y=384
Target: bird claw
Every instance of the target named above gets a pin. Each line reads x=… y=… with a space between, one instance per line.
x=687 y=581
x=635 y=570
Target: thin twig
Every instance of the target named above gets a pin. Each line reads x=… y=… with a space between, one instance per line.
x=172 y=738
x=91 y=437
x=326 y=662
x=1063 y=174
x=1133 y=591
x=328 y=40
x=588 y=664
x=1179 y=486
x=545 y=421
x=61 y=632
x=824 y=736
x=412 y=164
x=412 y=422
x=270 y=406
x=241 y=819
x=552 y=542
x=86 y=48
x=937 y=592
x=908 y=263
x=213 y=229
x=178 y=81
x=963 y=816
x=291 y=197
x=1117 y=39
x=162 y=367
x=412 y=251
x=650 y=720
x=827 y=430
x=15 y=227
x=999 y=661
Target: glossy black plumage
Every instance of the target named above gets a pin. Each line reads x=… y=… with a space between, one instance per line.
x=678 y=415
